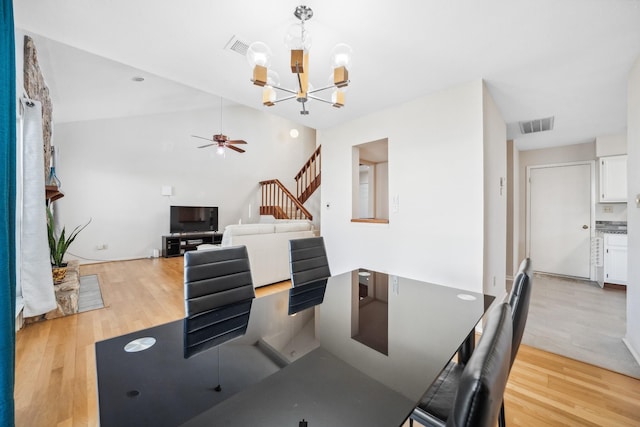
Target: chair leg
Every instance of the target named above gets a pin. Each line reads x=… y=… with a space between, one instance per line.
x=502 y=422
x=218 y=387
x=410 y=422
x=466 y=349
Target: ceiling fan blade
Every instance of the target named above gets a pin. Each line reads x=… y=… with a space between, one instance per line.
x=201 y=137
x=237 y=141
x=207 y=145
x=239 y=150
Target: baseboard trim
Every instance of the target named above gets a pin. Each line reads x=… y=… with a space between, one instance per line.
x=615 y=286
x=631 y=350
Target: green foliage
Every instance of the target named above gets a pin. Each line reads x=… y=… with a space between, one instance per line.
x=58 y=244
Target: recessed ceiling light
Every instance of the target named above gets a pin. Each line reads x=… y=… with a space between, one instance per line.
x=138 y=79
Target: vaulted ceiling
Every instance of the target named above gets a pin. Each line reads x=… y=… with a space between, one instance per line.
x=569 y=59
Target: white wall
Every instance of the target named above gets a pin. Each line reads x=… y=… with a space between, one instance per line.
x=435 y=169
x=513 y=195
x=611 y=145
x=382 y=190
x=495 y=196
x=113 y=170
x=633 y=214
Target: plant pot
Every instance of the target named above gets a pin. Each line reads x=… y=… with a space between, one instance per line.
x=58 y=274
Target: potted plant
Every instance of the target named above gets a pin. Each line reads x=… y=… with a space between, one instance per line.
x=58 y=245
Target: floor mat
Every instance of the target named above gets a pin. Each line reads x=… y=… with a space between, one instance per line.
x=90 y=297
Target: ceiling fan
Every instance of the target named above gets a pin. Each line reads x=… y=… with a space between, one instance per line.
x=222 y=141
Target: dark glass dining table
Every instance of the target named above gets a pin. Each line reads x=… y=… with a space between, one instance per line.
x=364 y=355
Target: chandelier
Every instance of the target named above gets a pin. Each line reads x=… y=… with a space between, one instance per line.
x=298 y=41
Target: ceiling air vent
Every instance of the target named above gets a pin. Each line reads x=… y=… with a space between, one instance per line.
x=538 y=125
x=236 y=45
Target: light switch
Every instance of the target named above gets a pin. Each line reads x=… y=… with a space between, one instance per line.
x=395 y=203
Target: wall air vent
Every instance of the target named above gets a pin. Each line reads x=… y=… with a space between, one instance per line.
x=538 y=125
x=236 y=45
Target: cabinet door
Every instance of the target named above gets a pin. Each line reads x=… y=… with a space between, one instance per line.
x=615 y=261
x=613 y=179
x=170 y=246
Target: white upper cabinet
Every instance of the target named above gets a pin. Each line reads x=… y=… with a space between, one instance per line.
x=613 y=179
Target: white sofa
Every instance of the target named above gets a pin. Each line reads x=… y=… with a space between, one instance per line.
x=267 y=245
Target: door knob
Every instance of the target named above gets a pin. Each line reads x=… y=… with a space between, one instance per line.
x=584 y=227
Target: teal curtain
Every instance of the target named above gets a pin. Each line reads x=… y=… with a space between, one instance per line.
x=7 y=213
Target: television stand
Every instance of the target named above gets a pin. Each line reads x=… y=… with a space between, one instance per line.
x=178 y=244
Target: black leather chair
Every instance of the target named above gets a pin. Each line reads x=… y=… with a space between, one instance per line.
x=218 y=292
x=439 y=397
x=518 y=298
x=481 y=383
x=309 y=268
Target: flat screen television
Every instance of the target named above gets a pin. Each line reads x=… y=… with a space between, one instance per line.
x=190 y=219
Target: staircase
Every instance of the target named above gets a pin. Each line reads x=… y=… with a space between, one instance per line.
x=278 y=201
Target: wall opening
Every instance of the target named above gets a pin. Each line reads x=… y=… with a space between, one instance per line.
x=371 y=182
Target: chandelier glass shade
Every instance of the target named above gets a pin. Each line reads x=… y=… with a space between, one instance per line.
x=298 y=40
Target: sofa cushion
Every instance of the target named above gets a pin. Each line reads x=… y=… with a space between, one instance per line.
x=244 y=229
x=289 y=227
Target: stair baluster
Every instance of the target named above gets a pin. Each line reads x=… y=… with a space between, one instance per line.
x=279 y=202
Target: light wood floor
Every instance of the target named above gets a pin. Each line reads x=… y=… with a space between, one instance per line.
x=56 y=376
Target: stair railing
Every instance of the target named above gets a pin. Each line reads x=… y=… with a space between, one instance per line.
x=279 y=202
x=309 y=177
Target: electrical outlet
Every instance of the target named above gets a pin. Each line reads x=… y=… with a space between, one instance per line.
x=607 y=209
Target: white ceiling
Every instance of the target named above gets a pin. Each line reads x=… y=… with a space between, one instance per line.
x=569 y=59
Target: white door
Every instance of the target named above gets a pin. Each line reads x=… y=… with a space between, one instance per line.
x=559 y=220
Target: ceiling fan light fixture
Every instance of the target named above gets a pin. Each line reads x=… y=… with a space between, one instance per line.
x=297 y=61
x=298 y=40
x=297 y=37
x=259 y=53
x=269 y=96
x=337 y=98
x=221 y=141
x=260 y=75
x=273 y=79
x=340 y=76
x=341 y=55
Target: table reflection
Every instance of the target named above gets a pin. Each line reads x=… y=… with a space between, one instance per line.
x=425 y=324
x=370 y=311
